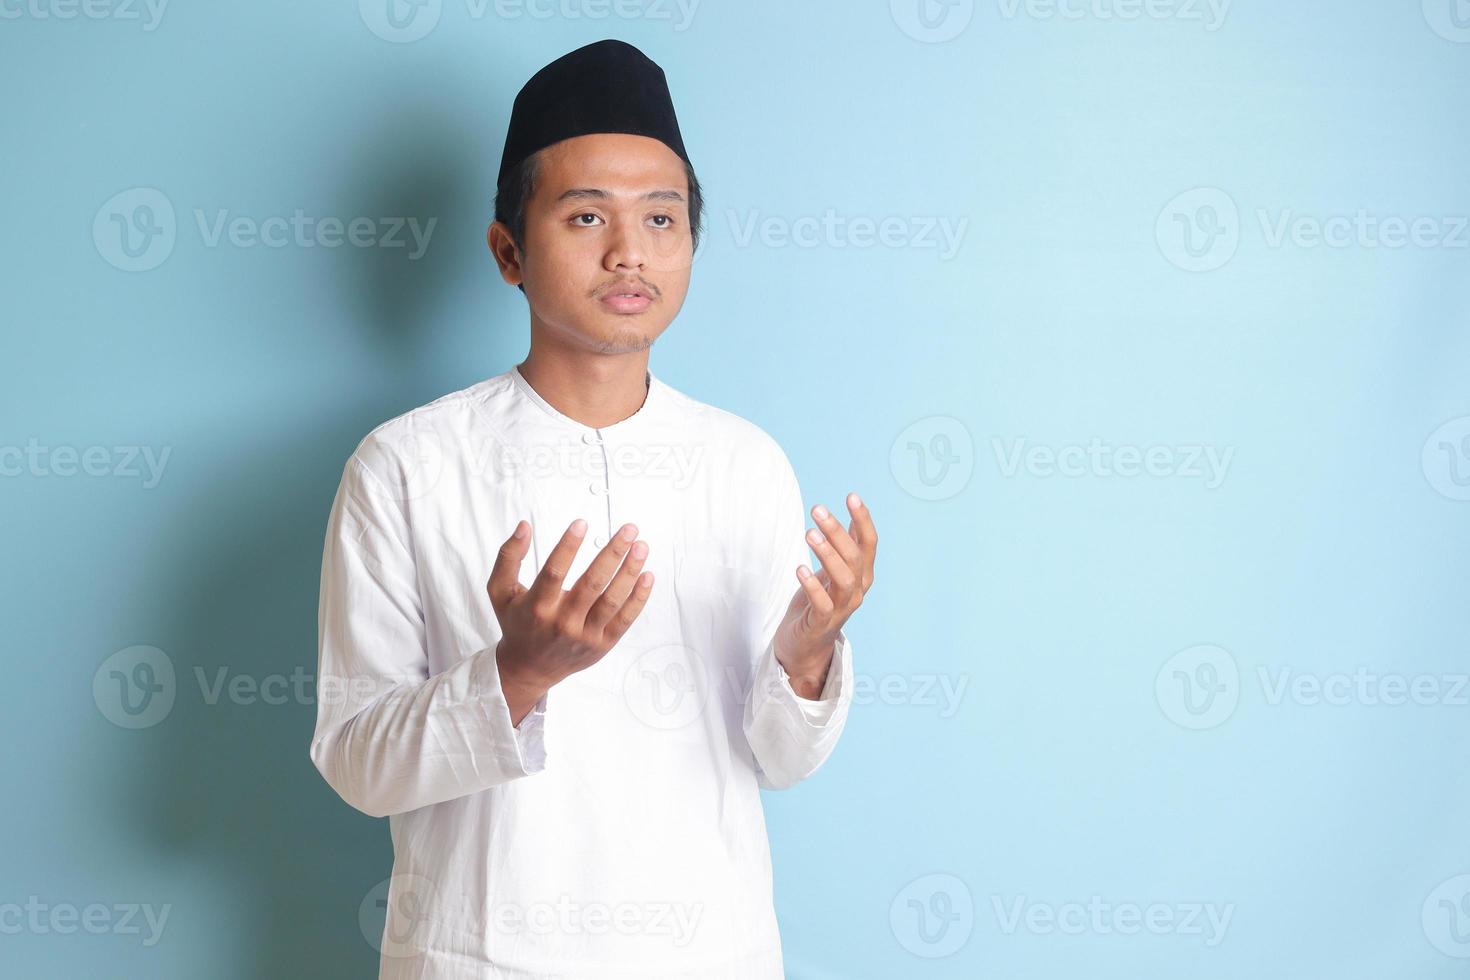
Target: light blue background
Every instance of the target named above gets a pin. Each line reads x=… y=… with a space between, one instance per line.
x=1334 y=542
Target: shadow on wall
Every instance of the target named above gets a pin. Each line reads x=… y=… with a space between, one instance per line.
x=235 y=790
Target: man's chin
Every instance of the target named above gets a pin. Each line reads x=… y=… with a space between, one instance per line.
x=624 y=339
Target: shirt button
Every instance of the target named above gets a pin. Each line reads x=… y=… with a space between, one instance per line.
x=592 y=438
x=599 y=541
x=595 y=487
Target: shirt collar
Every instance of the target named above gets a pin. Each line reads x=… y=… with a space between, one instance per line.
x=653 y=402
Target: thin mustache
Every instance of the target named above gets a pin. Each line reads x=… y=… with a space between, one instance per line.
x=653 y=291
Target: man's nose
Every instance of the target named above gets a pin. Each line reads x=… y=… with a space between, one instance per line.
x=627 y=248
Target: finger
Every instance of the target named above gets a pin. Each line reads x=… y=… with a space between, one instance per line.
x=597 y=576
x=837 y=534
x=617 y=592
x=629 y=611
x=816 y=592
x=503 y=586
x=865 y=534
x=844 y=579
x=546 y=589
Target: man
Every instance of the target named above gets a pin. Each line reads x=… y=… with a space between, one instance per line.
x=571 y=759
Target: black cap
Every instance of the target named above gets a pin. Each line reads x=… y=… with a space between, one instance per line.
x=605 y=87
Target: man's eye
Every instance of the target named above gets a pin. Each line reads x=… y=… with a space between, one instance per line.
x=666 y=218
x=578 y=219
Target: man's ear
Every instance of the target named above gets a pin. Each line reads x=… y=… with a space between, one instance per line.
x=507 y=255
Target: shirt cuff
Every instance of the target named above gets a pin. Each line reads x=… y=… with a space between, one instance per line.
x=521 y=747
x=816 y=713
x=531 y=736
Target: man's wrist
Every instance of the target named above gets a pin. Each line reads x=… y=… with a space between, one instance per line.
x=521 y=692
x=809 y=685
x=807 y=671
x=520 y=700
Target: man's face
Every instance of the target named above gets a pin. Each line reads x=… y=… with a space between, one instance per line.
x=609 y=216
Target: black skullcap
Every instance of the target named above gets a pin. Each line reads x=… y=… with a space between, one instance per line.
x=605 y=87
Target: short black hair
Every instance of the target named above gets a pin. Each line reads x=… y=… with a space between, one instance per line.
x=520 y=184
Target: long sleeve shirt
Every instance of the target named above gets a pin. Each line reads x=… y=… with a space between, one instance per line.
x=617 y=831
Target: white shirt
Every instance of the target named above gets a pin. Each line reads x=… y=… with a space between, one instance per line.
x=618 y=832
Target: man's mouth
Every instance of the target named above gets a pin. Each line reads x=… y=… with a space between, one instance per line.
x=627 y=299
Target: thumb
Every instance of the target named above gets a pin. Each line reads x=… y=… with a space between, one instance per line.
x=504 y=586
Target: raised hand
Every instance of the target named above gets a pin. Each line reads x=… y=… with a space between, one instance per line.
x=805 y=640
x=549 y=632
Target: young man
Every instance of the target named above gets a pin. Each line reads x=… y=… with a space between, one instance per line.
x=571 y=759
